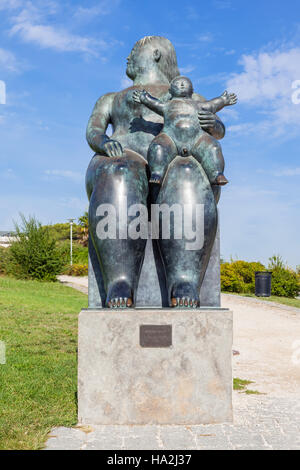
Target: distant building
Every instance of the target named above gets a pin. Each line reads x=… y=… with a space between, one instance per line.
x=6 y=238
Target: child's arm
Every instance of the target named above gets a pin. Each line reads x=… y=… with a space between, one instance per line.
x=216 y=104
x=143 y=97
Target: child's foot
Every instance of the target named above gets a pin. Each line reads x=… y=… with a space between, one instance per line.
x=155 y=179
x=221 y=180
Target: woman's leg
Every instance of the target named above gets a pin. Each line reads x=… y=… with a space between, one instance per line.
x=114 y=185
x=186 y=190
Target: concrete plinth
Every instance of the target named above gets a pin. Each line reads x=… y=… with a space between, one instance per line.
x=180 y=374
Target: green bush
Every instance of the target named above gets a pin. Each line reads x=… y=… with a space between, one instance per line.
x=80 y=253
x=76 y=270
x=34 y=254
x=61 y=232
x=4 y=260
x=285 y=281
x=239 y=276
x=230 y=280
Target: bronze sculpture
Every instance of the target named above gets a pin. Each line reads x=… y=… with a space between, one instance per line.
x=119 y=170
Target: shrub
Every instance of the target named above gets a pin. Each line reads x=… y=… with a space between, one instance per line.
x=239 y=276
x=34 y=254
x=80 y=253
x=61 y=232
x=285 y=281
x=230 y=280
x=76 y=270
x=4 y=259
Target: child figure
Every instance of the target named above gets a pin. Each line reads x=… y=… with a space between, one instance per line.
x=182 y=133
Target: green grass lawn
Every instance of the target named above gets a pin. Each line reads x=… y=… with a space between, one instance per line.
x=38 y=323
x=279 y=300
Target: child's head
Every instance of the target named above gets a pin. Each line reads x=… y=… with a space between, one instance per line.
x=181 y=87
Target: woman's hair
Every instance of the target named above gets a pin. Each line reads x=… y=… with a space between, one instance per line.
x=168 y=61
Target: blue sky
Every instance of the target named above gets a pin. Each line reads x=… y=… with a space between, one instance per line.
x=57 y=58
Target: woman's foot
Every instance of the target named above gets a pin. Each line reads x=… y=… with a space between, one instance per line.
x=155 y=178
x=184 y=295
x=119 y=295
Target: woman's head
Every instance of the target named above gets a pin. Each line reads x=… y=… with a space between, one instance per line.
x=153 y=52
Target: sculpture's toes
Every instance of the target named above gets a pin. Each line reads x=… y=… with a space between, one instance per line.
x=119 y=295
x=184 y=302
x=184 y=295
x=155 y=178
x=120 y=302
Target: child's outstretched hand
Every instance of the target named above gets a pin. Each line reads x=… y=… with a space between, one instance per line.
x=138 y=95
x=229 y=98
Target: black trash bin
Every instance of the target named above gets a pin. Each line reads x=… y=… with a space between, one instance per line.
x=263 y=280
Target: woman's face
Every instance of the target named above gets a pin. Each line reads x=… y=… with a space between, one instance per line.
x=139 y=60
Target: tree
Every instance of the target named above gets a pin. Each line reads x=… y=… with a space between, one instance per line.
x=285 y=282
x=83 y=222
x=34 y=253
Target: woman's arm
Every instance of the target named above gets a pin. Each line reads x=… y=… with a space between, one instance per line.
x=97 y=125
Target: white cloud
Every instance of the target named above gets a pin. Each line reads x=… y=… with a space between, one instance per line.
x=10 y=4
x=187 y=69
x=266 y=84
x=282 y=172
x=48 y=37
x=230 y=52
x=206 y=37
x=8 y=174
x=266 y=76
x=288 y=172
x=26 y=25
x=229 y=114
x=74 y=176
x=8 y=61
x=74 y=203
x=30 y=23
x=102 y=8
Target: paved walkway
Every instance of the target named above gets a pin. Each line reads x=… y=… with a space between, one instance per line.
x=78 y=283
x=267 y=338
x=260 y=423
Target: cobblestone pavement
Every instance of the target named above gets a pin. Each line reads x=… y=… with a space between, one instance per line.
x=260 y=423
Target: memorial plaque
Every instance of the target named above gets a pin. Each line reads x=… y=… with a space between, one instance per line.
x=155 y=336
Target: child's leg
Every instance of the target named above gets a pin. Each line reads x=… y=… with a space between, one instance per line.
x=209 y=154
x=162 y=151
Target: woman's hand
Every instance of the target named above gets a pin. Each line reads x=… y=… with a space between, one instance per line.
x=112 y=148
x=207 y=120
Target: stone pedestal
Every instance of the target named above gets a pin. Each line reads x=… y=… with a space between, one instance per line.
x=155 y=366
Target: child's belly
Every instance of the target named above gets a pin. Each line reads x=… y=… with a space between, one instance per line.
x=185 y=132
